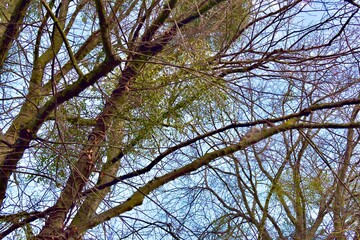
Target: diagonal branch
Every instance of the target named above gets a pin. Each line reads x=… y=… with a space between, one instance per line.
x=13 y=28
x=139 y=195
x=64 y=38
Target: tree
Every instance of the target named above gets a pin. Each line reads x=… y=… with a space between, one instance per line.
x=213 y=119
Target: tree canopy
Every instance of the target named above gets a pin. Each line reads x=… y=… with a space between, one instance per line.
x=210 y=119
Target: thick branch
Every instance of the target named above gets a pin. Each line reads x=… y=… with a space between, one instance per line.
x=13 y=29
x=104 y=28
